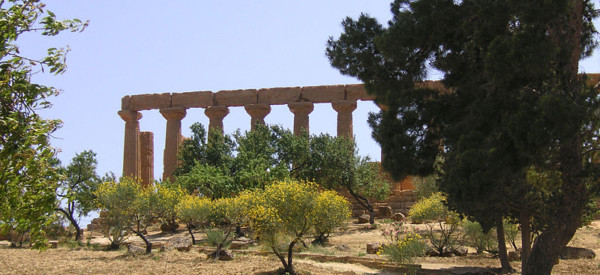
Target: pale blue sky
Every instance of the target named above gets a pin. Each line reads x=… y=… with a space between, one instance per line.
x=134 y=47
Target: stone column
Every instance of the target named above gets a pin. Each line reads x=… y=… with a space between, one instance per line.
x=344 y=109
x=257 y=112
x=301 y=111
x=147 y=158
x=131 y=150
x=174 y=116
x=216 y=114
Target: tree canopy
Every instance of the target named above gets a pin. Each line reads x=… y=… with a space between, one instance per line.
x=27 y=177
x=76 y=189
x=511 y=100
x=270 y=153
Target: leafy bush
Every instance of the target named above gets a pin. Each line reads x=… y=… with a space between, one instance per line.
x=193 y=210
x=114 y=200
x=230 y=212
x=475 y=237
x=406 y=248
x=217 y=237
x=284 y=213
x=166 y=197
x=331 y=210
x=424 y=186
x=442 y=223
x=511 y=231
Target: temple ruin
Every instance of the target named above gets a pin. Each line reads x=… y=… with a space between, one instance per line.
x=138 y=154
x=138 y=149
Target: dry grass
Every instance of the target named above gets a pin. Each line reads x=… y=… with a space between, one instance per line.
x=66 y=261
x=86 y=261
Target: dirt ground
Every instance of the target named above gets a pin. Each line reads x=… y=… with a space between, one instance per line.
x=82 y=260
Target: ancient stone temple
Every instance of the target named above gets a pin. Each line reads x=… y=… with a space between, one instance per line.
x=138 y=150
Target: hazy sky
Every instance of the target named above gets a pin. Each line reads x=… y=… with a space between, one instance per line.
x=135 y=47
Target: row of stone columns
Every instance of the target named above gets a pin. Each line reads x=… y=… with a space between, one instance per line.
x=138 y=149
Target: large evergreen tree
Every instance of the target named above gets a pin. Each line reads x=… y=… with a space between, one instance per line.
x=513 y=102
x=27 y=177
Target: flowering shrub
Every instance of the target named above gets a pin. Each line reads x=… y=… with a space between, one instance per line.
x=405 y=248
x=442 y=223
x=285 y=212
x=395 y=232
x=167 y=196
x=231 y=212
x=330 y=211
x=193 y=210
x=114 y=201
x=125 y=206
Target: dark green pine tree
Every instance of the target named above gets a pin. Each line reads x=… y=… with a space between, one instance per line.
x=513 y=103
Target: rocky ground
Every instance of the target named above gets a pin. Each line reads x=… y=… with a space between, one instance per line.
x=346 y=254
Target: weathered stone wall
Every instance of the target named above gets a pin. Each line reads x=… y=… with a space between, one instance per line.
x=400 y=200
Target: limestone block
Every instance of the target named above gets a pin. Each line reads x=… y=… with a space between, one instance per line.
x=398 y=217
x=277 y=96
x=125 y=102
x=192 y=99
x=384 y=212
x=357 y=92
x=364 y=218
x=570 y=252
x=236 y=97
x=135 y=250
x=148 y=102
x=321 y=94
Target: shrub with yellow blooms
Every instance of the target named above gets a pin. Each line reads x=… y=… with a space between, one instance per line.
x=330 y=211
x=230 y=212
x=167 y=196
x=442 y=223
x=405 y=248
x=286 y=212
x=193 y=210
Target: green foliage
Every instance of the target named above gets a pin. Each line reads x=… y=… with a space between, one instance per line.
x=165 y=198
x=424 y=186
x=27 y=177
x=76 y=188
x=232 y=211
x=475 y=237
x=193 y=209
x=217 y=237
x=126 y=206
x=511 y=99
x=214 y=150
x=406 y=248
x=442 y=223
x=210 y=167
x=270 y=153
x=511 y=231
x=114 y=200
x=403 y=246
x=284 y=213
x=331 y=210
x=334 y=163
x=210 y=181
